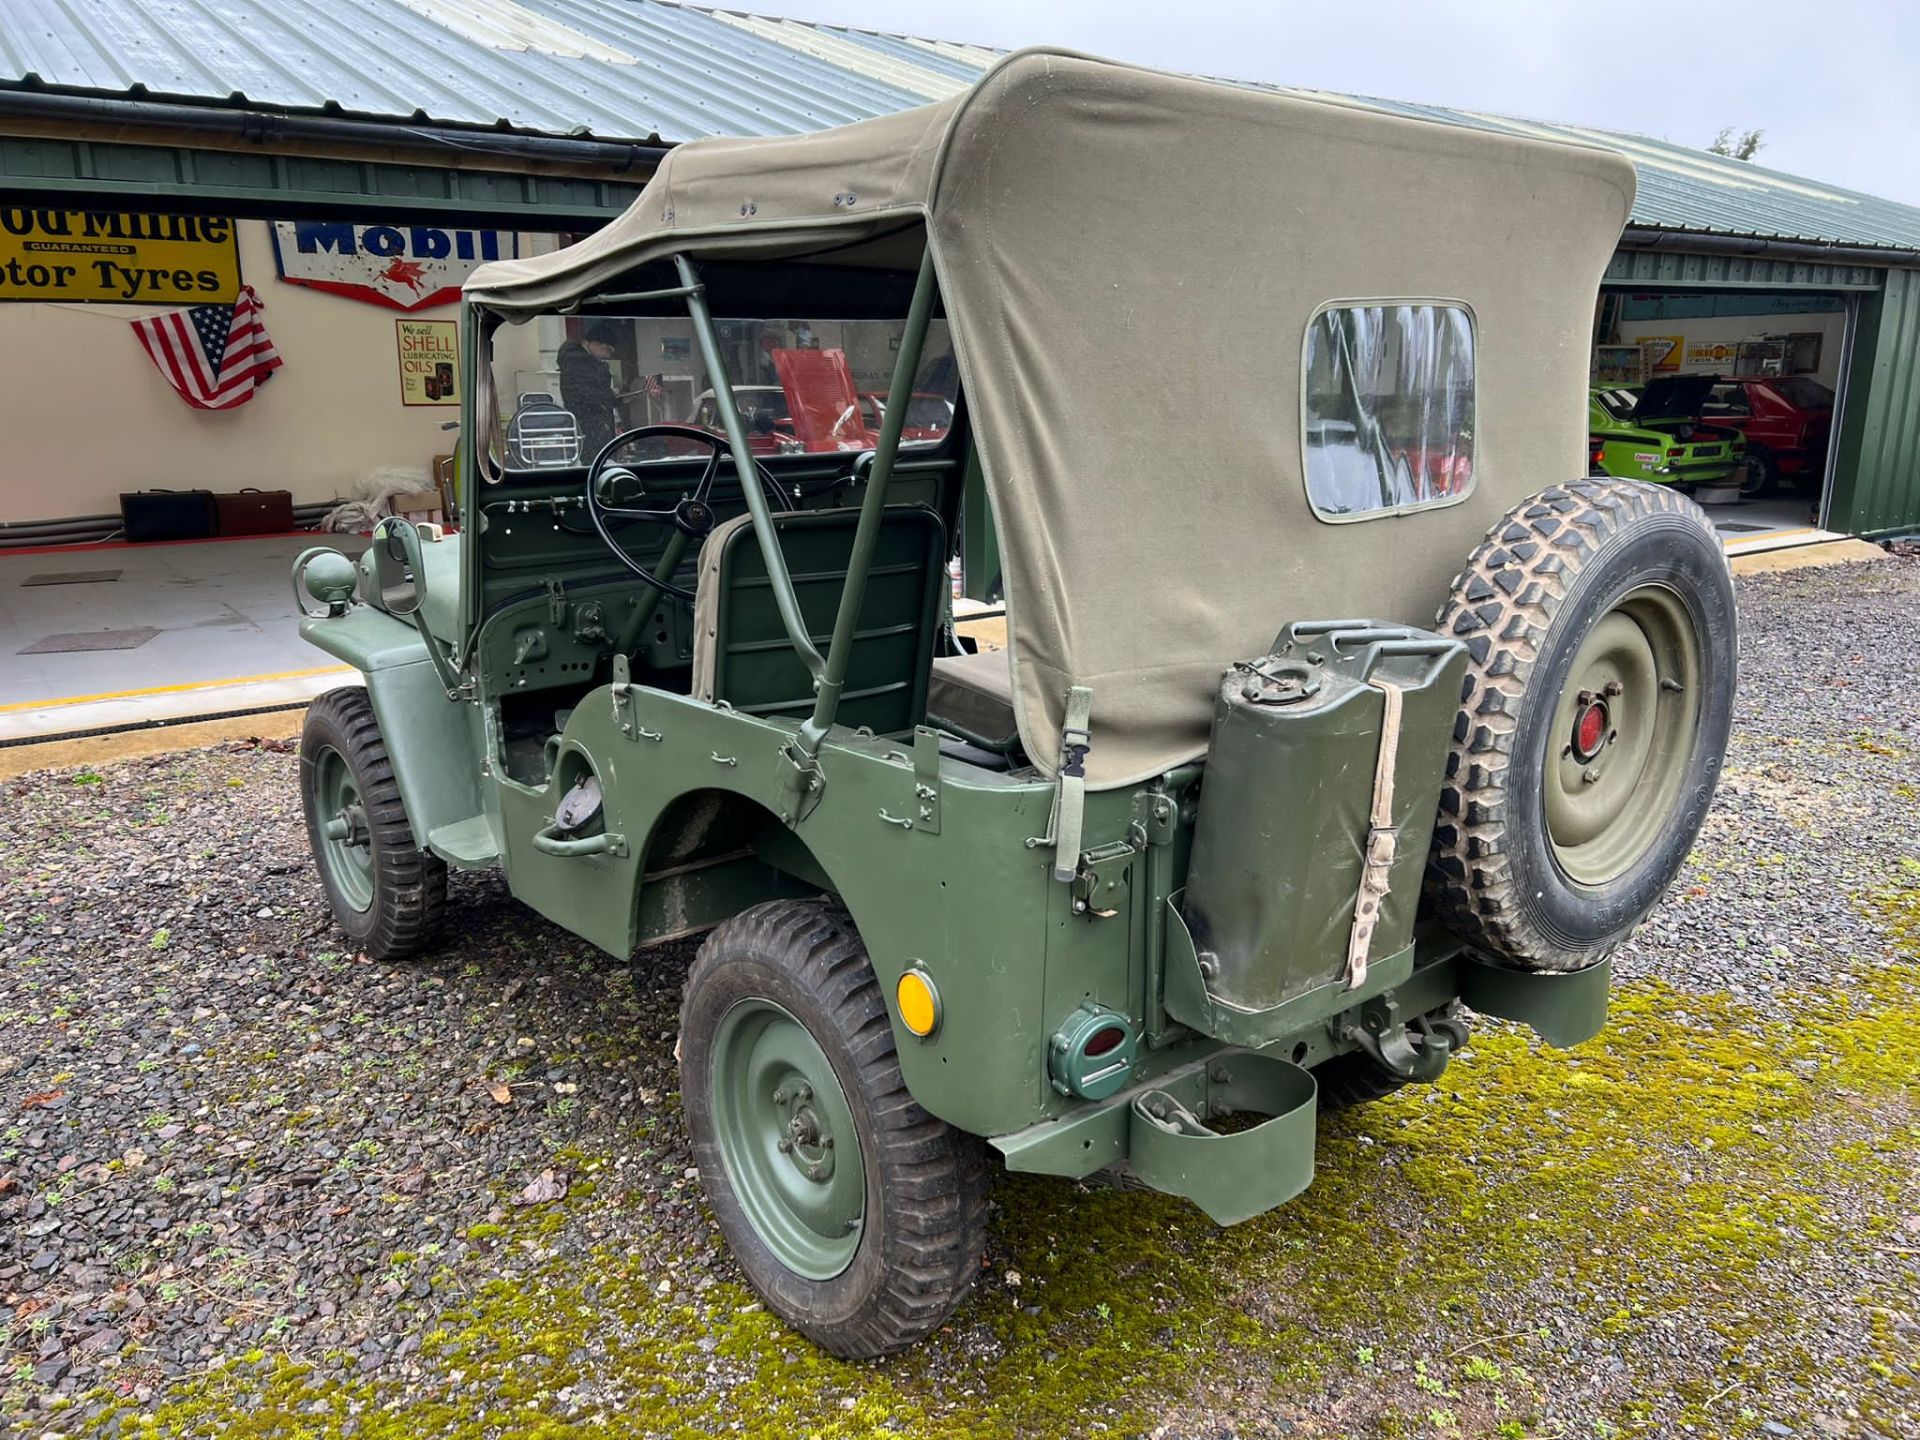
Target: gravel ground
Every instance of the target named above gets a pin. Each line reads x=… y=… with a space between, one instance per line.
x=253 y=1184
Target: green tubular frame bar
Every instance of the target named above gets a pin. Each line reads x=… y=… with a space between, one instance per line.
x=750 y=486
x=866 y=535
x=829 y=674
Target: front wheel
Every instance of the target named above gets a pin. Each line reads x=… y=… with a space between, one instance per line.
x=384 y=891
x=1599 y=622
x=859 y=1218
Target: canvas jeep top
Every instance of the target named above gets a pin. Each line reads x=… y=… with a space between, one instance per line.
x=1332 y=695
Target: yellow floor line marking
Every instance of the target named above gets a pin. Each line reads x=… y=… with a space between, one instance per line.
x=57 y=753
x=1768 y=536
x=174 y=689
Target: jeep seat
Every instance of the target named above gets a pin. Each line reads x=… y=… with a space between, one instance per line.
x=972 y=696
x=741 y=654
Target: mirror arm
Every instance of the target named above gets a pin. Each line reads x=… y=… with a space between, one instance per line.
x=450 y=679
x=471 y=462
x=386 y=535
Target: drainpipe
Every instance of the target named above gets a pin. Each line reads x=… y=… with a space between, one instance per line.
x=1679 y=241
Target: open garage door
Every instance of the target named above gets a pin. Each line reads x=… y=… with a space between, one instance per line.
x=117 y=612
x=1733 y=395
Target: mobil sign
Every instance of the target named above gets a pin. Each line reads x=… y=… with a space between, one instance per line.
x=406 y=267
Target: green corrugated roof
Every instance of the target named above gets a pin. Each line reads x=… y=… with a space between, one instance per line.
x=1694 y=190
x=651 y=70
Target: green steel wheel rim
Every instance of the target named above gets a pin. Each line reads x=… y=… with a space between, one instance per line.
x=787 y=1139
x=346 y=844
x=1622 y=736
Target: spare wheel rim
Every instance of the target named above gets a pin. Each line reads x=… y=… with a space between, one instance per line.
x=1623 y=736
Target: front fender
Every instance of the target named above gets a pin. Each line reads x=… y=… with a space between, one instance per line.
x=429 y=737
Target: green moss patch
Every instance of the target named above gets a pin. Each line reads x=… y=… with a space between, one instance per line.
x=1672 y=1172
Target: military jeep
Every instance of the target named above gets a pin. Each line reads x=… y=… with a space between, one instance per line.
x=1335 y=702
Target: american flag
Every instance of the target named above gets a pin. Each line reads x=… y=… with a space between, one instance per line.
x=216 y=356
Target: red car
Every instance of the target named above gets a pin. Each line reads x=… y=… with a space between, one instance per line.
x=1786 y=419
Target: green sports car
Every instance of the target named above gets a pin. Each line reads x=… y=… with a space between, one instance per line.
x=1653 y=432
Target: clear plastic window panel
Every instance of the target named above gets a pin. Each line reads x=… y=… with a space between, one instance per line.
x=1389 y=408
x=563 y=386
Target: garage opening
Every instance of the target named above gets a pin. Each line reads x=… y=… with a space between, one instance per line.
x=1731 y=395
x=146 y=529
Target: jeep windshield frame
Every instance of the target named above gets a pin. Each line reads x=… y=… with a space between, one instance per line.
x=875 y=468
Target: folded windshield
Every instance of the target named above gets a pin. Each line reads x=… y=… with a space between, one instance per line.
x=563 y=386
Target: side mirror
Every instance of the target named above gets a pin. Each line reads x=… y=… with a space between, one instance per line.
x=397 y=567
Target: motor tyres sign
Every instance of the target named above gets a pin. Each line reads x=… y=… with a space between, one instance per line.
x=117 y=257
x=404 y=267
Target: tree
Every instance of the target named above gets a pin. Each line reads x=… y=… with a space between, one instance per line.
x=1737 y=144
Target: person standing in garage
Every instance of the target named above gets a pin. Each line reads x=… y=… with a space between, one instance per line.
x=586 y=385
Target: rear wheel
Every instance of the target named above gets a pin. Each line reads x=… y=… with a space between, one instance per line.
x=858 y=1217
x=384 y=891
x=1762 y=475
x=1594 y=716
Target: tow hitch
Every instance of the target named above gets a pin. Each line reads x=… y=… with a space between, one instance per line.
x=1416 y=1050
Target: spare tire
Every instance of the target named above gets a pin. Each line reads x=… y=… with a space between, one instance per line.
x=1599 y=621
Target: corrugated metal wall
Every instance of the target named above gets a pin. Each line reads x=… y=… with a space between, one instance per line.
x=1876 y=483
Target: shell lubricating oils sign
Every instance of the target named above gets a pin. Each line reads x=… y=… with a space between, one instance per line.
x=117 y=257
x=429 y=353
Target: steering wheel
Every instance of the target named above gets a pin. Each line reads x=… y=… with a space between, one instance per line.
x=692 y=515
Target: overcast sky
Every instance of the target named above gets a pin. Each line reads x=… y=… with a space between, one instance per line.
x=1835 y=84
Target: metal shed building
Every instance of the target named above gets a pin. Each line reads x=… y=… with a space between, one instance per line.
x=547 y=114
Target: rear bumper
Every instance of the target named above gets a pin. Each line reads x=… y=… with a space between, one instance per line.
x=1164 y=1132
x=1701 y=472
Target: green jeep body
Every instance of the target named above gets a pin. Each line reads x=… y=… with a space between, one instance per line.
x=1163 y=860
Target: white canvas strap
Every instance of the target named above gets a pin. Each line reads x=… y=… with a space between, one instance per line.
x=1075 y=741
x=1383 y=837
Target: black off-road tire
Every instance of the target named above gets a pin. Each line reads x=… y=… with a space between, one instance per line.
x=1556 y=567
x=924 y=1229
x=409 y=885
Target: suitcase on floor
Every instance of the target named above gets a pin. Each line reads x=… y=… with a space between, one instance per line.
x=168 y=515
x=254 y=512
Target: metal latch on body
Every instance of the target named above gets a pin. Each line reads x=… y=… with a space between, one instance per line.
x=926 y=780
x=623 y=714
x=923 y=810
x=1076 y=741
